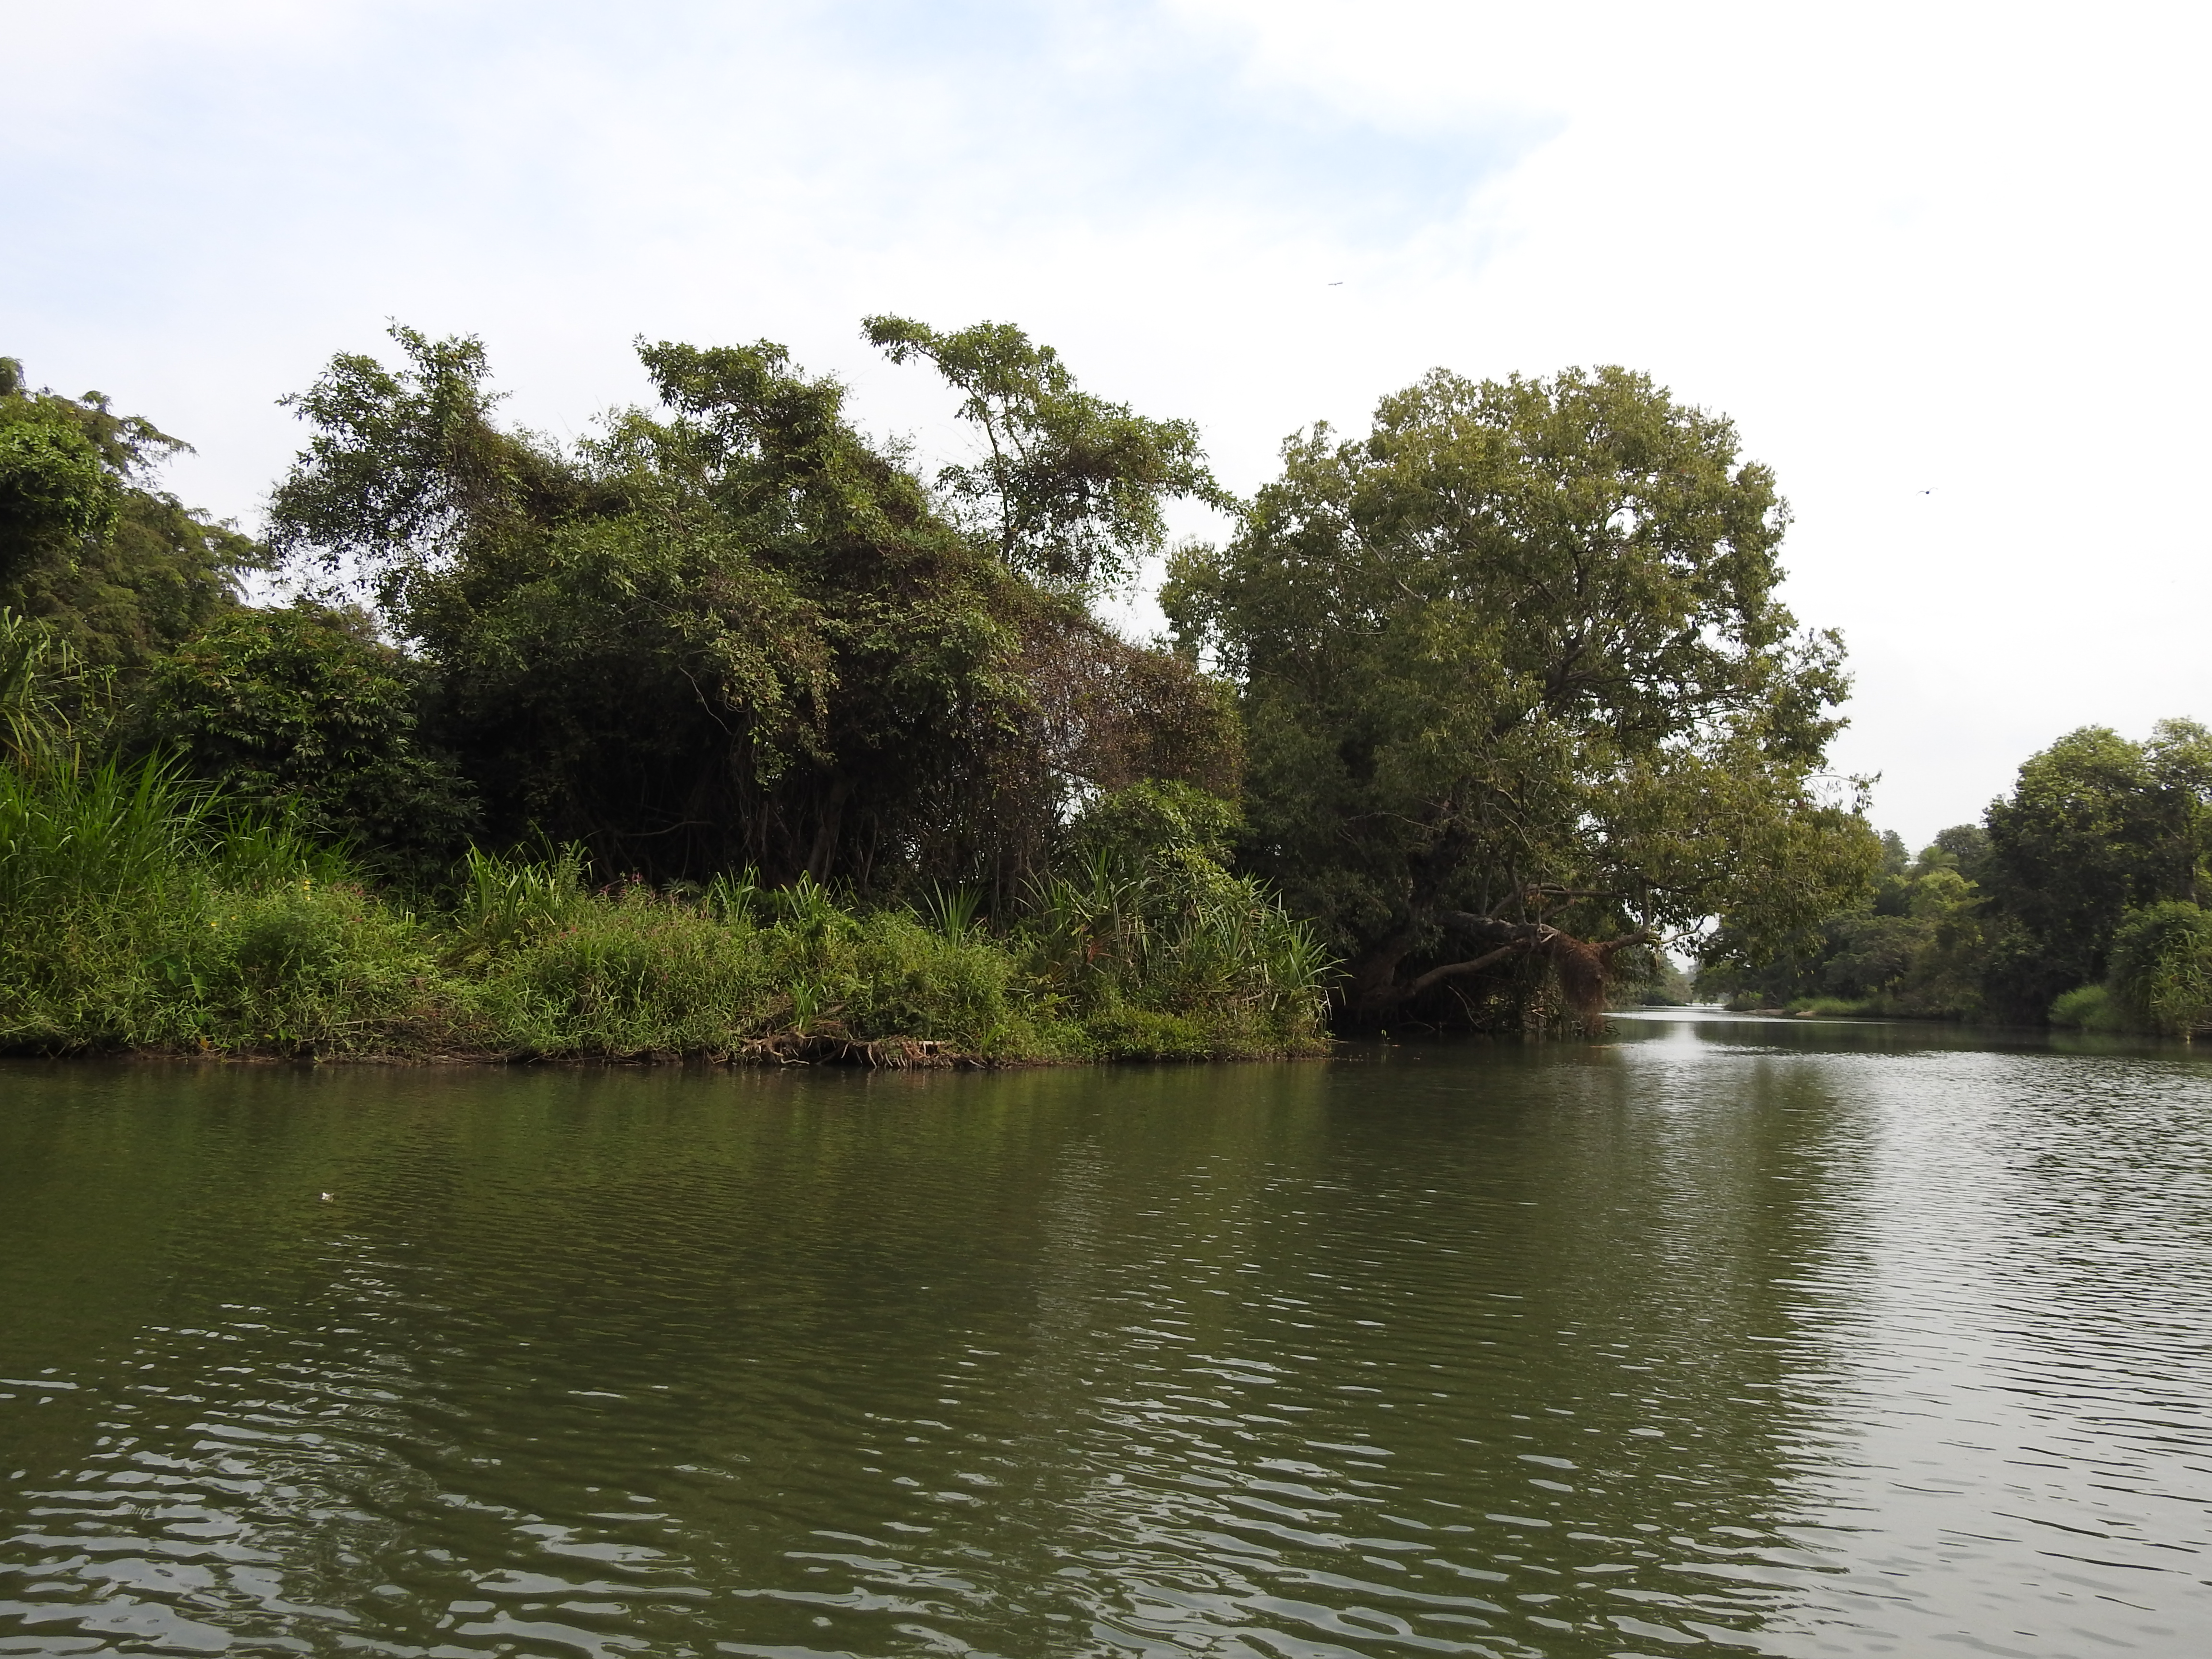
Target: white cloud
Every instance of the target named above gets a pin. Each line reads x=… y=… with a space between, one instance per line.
x=1951 y=249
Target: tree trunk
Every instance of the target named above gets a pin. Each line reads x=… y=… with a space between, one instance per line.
x=1370 y=991
x=824 y=855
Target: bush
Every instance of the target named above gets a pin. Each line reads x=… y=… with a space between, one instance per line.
x=304 y=707
x=136 y=912
x=638 y=972
x=2086 y=1008
x=2161 y=971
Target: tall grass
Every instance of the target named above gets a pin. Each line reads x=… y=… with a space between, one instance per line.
x=1177 y=957
x=135 y=912
x=139 y=912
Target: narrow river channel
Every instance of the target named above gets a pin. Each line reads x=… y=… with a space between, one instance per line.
x=1771 y=1337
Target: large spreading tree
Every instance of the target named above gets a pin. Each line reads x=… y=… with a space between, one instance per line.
x=1518 y=693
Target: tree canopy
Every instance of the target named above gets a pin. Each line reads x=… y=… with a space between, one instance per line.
x=2096 y=825
x=1517 y=690
x=118 y=568
x=731 y=632
x=1071 y=487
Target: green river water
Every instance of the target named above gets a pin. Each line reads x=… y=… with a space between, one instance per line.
x=1780 y=1338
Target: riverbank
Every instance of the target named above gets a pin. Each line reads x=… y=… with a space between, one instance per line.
x=305 y=969
x=135 y=918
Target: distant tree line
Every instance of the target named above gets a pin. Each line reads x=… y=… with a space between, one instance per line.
x=2079 y=899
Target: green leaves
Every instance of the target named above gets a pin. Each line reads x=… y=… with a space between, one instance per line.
x=117 y=569
x=1522 y=637
x=54 y=489
x=1072 y=487
x=2162 y=968
x=730 y=632
x=404 y=468
x=2095 y=826
x=303 y=709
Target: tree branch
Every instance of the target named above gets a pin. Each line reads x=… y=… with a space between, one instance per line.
x=1452 y=970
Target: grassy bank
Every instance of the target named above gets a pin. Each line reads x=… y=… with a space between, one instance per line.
x=136 y=915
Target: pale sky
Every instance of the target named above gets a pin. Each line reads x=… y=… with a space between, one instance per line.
x=1944 y=265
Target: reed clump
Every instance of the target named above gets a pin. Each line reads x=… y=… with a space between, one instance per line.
x=139 y=912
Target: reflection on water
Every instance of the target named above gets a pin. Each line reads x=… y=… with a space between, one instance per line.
x=1793 y=1340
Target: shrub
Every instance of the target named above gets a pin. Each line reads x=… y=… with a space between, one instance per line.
x=305 y=707
x=2086 y=1008
x=2161 y=971
x=138 y=910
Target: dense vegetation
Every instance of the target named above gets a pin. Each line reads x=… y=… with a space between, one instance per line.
x=1518 y=694
x=720 y=733
x=727 y=733
x=2078 y=900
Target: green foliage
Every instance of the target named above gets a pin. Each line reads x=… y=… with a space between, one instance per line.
x=1966 y=846
x=1915 y=946
x=51 y=705
x=304 y=708
x=72 y=834
x=507 y=902
x=135 y=911
x=119 y=570
x=1895 y=860
x=951 y=911
x=731 y=635
x=638 y=972
x=2087 y=1008
x=2161 y=973
x=2077 y=903
x=2095 y=826
x=1150 y=820
x=1155 y=944
x=1515 y=655
x=138 y=910
x=1072 y=487
x=1650 y=977
x=54 y=489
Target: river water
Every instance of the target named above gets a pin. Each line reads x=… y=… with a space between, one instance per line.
x=1779 y=1338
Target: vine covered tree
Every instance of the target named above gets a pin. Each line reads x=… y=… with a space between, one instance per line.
x=728 y=631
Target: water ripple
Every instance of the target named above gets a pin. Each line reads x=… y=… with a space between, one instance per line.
x=1721 y=1336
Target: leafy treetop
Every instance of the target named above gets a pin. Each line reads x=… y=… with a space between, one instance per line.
x=1072 y=487
x=1512 y=667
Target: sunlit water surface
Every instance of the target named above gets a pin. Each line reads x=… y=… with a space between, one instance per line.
x=1781 y=1337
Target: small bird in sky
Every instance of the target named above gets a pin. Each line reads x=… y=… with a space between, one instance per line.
x=1336 y=284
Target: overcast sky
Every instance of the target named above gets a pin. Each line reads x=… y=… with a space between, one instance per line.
x=1943 y=265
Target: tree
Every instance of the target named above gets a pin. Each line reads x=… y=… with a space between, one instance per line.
x=1071 y=488
x=2095 y=826
x=1914 y=945
x=1967 y=847
x=726 y=633
x=117 y=569
x=1518 y=691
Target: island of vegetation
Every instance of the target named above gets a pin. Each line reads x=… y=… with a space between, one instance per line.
x=726 y=733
